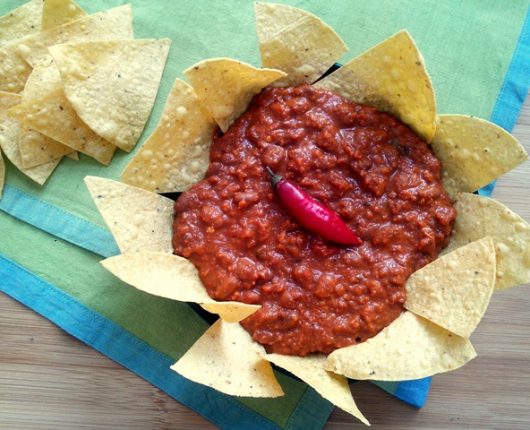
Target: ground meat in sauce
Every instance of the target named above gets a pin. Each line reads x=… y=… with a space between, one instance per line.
x=371 y=169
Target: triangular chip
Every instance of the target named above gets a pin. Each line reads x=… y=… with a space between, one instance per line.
x=20 y=22
x=225 y=86
x=226 y=358
x=392 y=78
x=482 y=216
x=36 y=148
x=296 y=42
x=474 y=152
x=54 y=116
x=172 y=277
x=59 y=12
x=139 y=220
x=2 y=174
x=176 y=155
x=112 y=85
x=329 y=385
x=9 y=139
x=409 y=348
x=114 y=23
x=454 y=291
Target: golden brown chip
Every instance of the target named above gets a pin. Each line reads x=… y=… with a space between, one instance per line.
x=54 y=116
x=2 y=174
x=114 y=23
x=391 y=77
x=454 y=291
x=139 y=220
x=329 y=385
x=112 y=85
x=226 y=358
x=172 y=277
x=59 y=12
x=409 y=348
x=20 y=22
x=225 y=86
x=176 y=155
x=481 y=216
x=296 y=42
x=9 y=139
x=474 y=152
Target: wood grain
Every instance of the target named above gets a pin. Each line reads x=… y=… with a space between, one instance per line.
x=49 y=380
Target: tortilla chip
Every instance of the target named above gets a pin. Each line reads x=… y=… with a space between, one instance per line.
x=54 y=116
x=409 y=348
x=296 y=42
x=20 y=22
x=481 y=216
x=473 y=152
x=454 y=291
x=139 y=220
x=172 y=277
x=112 y=85
x=329 y=385
x=37 y=149
x=59 y=12
x=73 y=156
x=112 y=24
x=230 y=311
x=2 y=174
x=226 y=358
x=176 y=155
x=392 y=78
x=225 y=86
x=9 y=138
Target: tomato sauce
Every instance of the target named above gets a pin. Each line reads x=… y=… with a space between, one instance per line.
x=367 y=166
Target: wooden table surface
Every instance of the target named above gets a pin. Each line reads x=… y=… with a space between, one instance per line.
x=49 y=380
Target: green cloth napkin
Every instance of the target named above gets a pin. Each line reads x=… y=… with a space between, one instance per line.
x=467 y=47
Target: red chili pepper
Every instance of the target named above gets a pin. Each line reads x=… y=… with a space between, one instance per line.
x=312 y=214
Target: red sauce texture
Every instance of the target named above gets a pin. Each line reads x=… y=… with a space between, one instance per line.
x=370 y=168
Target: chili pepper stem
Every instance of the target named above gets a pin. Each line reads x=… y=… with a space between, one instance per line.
x=274 y=177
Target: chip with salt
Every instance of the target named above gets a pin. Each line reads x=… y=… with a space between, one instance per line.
x=481 y=216
x=296 y=42
x=114 y=23
x=172 y=277
x=112 y=85
x=54 y=116
x=409 y=348
x=139 y=220
x=9 y=138
x=226 y=358
x=176 y=155
x=329 y=385
x=59 y=12
x=391 y=77
x=474 y=152
x=454 y=290
x=2 y=174
x=22 y=21
x=226 y=86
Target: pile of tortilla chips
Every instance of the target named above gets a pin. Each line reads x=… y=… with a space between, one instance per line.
x=72 y=82
x=489 y=248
